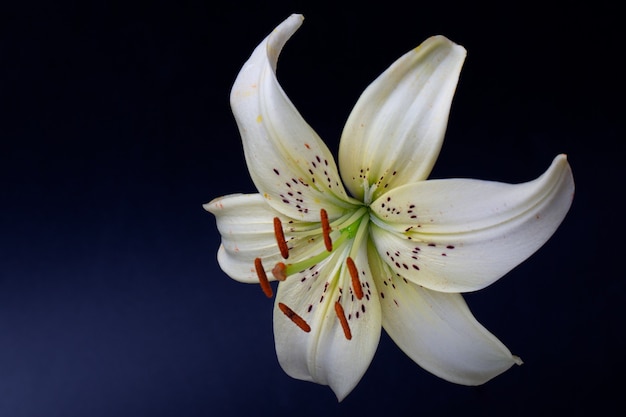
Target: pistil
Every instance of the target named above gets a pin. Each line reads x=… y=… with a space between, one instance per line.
x=335 y=234
x=282 y=271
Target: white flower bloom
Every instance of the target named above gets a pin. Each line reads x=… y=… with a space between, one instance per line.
x=394 y=250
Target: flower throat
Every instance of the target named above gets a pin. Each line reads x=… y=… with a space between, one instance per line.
x=344 y=229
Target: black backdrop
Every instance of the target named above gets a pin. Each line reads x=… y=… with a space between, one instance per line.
x=115 y=128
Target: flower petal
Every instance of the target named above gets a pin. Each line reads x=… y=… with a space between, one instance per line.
x=461 y=235
x=325 y=354
x=288 y=162
x=246 y=224
x=438 y=331
x=394 y=134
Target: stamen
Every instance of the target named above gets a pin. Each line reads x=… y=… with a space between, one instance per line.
x=279 y=271
x=342 y=319
x=263 y=281
x=280 y=238
x=326 y=230
x=299 y=321
x=282 y=271
x=354 y=274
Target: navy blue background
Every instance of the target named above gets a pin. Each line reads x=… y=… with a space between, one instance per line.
x=115 y=127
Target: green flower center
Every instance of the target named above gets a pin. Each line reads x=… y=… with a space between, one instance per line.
x=336 y=233
x=350 y=229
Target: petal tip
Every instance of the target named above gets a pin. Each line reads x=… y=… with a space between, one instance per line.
x=217 y=203
x=297 y=16
x=561 y=164
x=340 y=392
x=213 y=205
x=444 y=41
x=266 y=52
x=289 y=26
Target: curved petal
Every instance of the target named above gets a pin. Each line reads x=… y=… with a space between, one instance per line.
x=288 y=162
x=438 y=331
x=394 y=134
x=325 y=354
x=461 y=235
x=246 y=224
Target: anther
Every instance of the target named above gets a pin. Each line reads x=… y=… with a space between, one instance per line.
x=280 y=238
x=326 y=230
x=263 y=281
x=342 y=319
x=279 y=271
x=293 y=316
x=354 y=274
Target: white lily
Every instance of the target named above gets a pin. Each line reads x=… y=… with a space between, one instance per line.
x=398 y=250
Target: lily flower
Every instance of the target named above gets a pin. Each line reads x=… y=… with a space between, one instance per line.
x=378 y=246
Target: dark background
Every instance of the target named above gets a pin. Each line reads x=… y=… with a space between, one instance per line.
x=115 y=127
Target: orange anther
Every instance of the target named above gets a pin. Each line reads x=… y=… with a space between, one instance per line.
x=280 y=238
x=263 y=281
x=299 y=321
x=354 y=274
x=326 y=230
x=342 y=319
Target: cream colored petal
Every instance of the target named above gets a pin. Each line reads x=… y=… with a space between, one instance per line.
x=289 y=164
x=246 y=224
x=325 y=355
x=394 y=134
x=461 y=235
x=438 y=331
